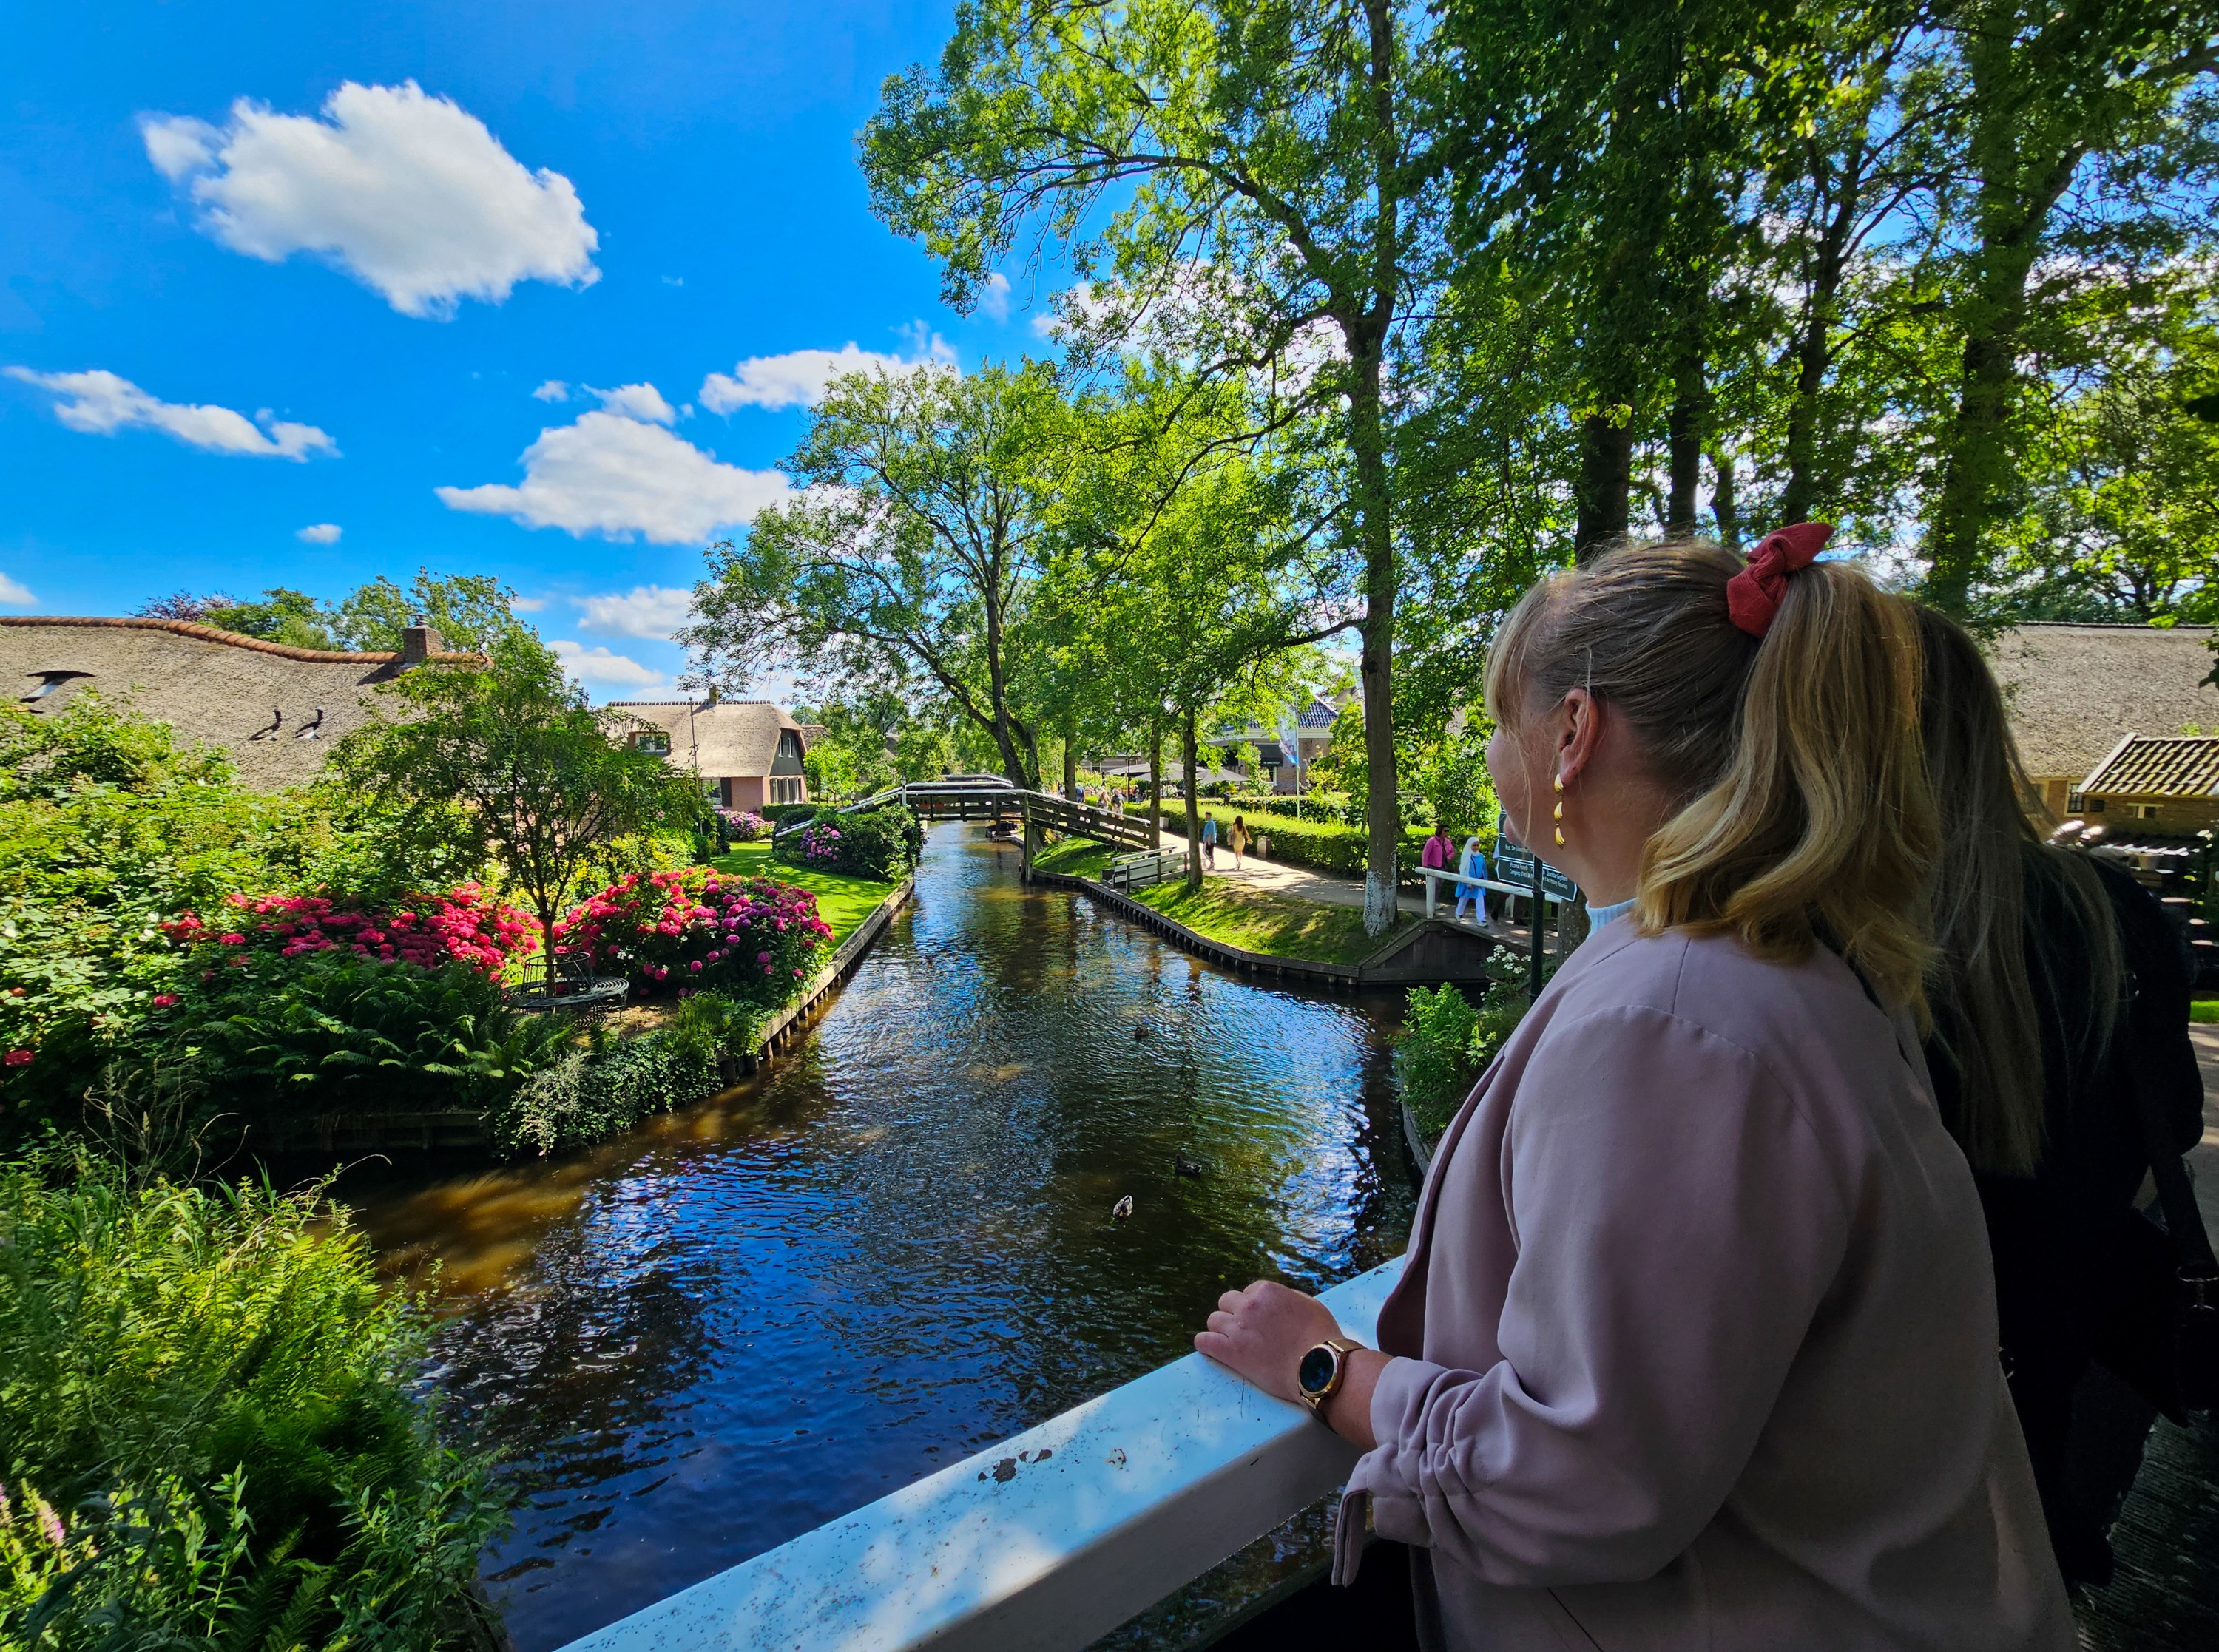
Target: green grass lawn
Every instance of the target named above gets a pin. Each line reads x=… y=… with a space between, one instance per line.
x=2205 y=1011
x=1076 y=857
x=843 y=903
x=1275 y=924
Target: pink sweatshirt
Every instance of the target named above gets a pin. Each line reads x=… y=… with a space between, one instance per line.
x=1699 y=1335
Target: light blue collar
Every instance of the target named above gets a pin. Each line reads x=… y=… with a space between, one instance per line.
x=1599 y=916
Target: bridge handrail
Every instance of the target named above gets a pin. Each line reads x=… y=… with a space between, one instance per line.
x=1047 y=1541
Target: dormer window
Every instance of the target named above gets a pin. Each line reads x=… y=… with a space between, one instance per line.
x=789 y=744
x=653 y=740
x=50 y=680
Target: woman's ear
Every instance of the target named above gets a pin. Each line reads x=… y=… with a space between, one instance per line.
x=1578 y=730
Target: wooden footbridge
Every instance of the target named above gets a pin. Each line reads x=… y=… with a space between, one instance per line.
x=990 y=797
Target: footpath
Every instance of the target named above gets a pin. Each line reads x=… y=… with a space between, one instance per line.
x=1300 y=882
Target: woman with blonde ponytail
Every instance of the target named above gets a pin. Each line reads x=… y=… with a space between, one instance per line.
x=1695 y=1344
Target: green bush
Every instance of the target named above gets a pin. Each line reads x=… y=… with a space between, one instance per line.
x=108 y=829
x=1446 y=1042
x=884 y=843
x=1322 y=846
x=592 y=1094
x=329 y=1031
x=212 y=1429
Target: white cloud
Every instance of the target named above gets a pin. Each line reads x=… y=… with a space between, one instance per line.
x=654 y=611
x=528 y=604
x=641 y=401
x=100 y=403
x=598 y=665
x=321 y=533
x=408 y=191
x=798 y=378
x=994 y=297
x=618 y=477
x=553 y=390
x=673 y=281
x=16 y=595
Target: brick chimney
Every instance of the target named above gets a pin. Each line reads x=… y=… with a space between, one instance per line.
x=418 y=642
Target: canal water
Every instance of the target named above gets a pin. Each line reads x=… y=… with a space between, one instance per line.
x=732 y=1324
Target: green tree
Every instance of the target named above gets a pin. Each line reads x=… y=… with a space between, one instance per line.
x=1256 y=188
x=909 y=553
x=2082 y=103
x=509 y=764
x=286 y=616
x=469 y=612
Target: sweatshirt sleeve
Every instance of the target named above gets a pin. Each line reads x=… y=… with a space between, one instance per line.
x=1677 y=1226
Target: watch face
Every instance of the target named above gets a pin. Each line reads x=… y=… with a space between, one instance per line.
x=1315 y=1371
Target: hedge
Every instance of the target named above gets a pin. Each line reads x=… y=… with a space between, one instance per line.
x=1322 y=846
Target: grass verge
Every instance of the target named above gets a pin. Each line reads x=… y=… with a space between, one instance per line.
x=1075 y=857
x=2205 y=1011
x=842 y=901
x=1275 y=924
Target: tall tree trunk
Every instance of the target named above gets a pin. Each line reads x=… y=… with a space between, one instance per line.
x=1071 y=759
x=1605 y=484
x=1382 y=813
x=1367 y=341
x=1980 y=469
x=1724 y=509
x=1685 y=427
x=1976 y=479
x=1814 y=351
x=1190 y=761
x=1156 y=786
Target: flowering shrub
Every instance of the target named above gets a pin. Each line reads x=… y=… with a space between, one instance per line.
x=752 y=938
x=466 y=927
x=882 y=843
x=744 y=825
x=816 y=844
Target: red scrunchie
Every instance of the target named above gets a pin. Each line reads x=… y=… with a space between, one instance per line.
x=1753 y=595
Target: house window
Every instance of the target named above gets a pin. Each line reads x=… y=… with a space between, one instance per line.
x=789 y=745
x=2095 y=805
x=785 y=788
x=2141 y=812
x=652 y=740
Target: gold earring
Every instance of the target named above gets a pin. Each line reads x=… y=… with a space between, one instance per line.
x=1559 y=782
x=1559 y=816
x=1560 y=837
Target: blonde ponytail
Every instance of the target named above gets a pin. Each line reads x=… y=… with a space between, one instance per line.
x=1805 y=816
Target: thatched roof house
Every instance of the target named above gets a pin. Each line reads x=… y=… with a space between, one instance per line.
x=2076 y=692
x=2167 y=786
x=275 y=709
x=748 y=750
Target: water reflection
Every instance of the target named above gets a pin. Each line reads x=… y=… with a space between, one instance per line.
x=727 y=1327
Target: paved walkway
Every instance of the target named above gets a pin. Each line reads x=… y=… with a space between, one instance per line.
x=1300 y=882
x=2203 y=1159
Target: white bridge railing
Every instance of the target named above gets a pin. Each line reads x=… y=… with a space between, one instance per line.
x=1041 y=1543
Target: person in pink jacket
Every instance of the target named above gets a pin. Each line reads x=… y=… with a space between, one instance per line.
x=1695 y=1345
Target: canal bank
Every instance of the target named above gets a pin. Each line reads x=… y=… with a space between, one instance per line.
x=896 y=1246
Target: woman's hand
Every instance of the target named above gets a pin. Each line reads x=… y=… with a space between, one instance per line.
x=1262 y=1333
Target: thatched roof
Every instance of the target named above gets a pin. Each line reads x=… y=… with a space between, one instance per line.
x=2183 y=767
x=725 y=739
x=2076 y=691
x=276 y=710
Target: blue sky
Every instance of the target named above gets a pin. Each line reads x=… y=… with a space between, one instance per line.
x=277 y=269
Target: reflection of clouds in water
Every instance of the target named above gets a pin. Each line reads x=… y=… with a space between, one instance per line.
x=732 y=1324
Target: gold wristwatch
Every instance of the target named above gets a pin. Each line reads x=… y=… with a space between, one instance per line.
x=1319 y=1374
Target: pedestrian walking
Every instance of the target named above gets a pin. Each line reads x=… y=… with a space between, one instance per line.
x=1472 y=868
x=1239 y=839
x=1209 y=841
